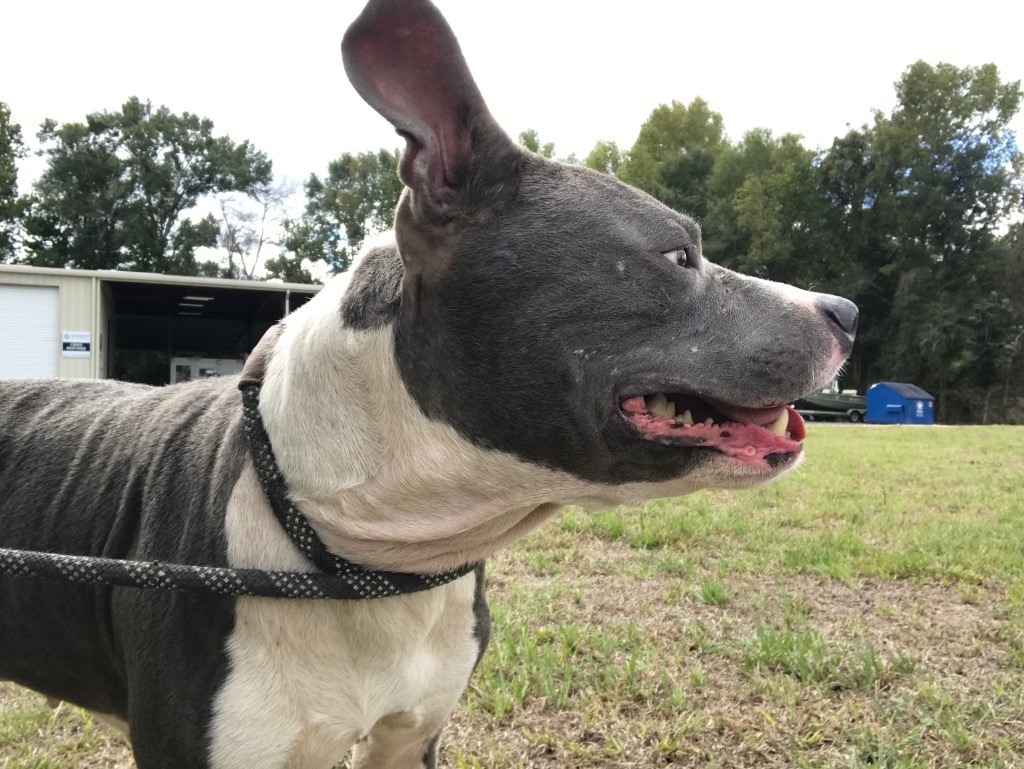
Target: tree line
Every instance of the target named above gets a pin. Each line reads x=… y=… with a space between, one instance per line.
x=917 y=216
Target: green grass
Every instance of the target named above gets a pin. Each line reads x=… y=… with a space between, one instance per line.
x=865 y=611
x=35 y=736
x=713 y=591
x=809 y=658
x=890 y=502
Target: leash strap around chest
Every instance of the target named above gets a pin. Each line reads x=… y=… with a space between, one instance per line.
x=364 y=583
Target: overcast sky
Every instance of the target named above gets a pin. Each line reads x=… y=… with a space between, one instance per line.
x=575 y=71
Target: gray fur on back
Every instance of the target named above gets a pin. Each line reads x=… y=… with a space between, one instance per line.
x=62 y=441
x=123 y=471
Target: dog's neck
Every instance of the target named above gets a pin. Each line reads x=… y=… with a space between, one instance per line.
x=383 y=485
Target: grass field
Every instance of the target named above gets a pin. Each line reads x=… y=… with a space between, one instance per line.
x=865 y=611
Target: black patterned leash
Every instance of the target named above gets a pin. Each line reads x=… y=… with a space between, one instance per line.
x=157 y=575
x=337 y=578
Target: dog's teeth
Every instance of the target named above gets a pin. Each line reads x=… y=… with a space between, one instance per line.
x=686 y=418
x=709 y=421
x=779 y=425
x=655 y=402
x=659 y=405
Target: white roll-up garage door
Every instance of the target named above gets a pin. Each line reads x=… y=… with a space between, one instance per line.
x=29 y=331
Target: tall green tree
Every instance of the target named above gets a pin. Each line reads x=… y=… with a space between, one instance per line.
x=356 y=198
x=674 y=154
x=918 y=199
x=1007 y=274
x=606 y=157
x=288 y=267
x=950 y=168
x=782 y=215
x=531 y=140
x=725 y=241
x=117 y=187
x=12 y=206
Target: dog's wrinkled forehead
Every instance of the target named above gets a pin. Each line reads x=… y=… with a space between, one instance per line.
x=573 y=208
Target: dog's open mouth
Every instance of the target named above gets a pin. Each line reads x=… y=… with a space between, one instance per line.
x=771 y=434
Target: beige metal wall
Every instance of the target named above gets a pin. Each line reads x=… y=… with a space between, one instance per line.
x=80 y=310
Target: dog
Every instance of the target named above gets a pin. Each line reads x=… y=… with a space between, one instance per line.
x=530 y=335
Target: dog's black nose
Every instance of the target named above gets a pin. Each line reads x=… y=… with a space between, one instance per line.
x=841 y=312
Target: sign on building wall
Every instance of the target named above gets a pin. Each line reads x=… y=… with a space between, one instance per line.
x=76 y=344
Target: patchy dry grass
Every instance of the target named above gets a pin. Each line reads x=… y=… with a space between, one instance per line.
x=35 y=736
x=867 y=611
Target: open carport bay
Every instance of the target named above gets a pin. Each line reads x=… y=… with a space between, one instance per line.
x=163 y=332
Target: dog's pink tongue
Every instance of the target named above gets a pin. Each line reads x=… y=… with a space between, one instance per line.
x=795 y=426
x=745 y=415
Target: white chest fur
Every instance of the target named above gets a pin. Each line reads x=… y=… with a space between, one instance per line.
x=308 y=679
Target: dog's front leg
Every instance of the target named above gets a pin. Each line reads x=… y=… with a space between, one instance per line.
x=398 y=742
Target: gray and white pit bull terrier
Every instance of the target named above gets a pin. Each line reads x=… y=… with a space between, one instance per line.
x=531 y=335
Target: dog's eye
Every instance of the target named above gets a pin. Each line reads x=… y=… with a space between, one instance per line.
x=679 y=256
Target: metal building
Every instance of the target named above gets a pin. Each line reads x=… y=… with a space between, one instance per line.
x=899 y=403
x=138 y=327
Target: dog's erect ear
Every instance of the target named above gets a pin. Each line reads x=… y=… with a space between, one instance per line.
x=404 y=60
x=256 y=364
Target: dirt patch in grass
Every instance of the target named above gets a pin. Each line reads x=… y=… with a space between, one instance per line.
x=907 y=674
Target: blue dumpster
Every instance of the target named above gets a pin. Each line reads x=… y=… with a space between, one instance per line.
x=896 y=403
